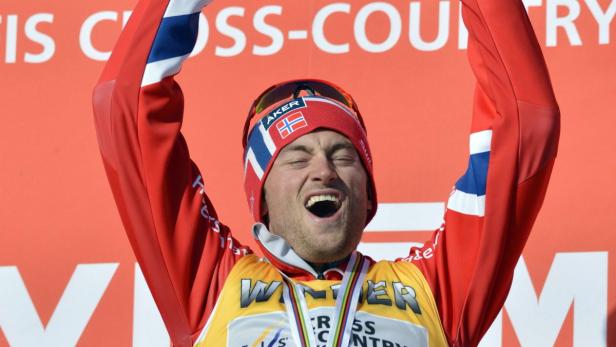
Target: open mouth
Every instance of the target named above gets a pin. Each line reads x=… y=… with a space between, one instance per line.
x=323 y=206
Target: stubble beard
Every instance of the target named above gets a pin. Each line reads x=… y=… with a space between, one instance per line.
x=331 y=242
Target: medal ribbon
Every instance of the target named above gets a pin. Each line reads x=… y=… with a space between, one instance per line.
x=344 y=314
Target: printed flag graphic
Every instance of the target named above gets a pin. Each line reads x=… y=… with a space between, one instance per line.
x=291 y=123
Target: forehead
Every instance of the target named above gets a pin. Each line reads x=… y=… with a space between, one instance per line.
x=321 y=138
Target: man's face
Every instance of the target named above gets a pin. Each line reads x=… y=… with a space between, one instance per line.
x=316 y=196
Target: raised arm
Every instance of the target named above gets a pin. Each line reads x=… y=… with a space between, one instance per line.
x=184 y=252
x=514 y=134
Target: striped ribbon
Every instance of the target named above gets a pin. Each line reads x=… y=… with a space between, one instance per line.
x=344 y=314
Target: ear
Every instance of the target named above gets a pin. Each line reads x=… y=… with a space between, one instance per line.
x=264 y=210
x=369 y=194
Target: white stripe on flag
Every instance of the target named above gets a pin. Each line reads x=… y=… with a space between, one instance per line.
x=267 y=139
x=250 y=158
x=183 y=7
x=156 y=71
x=466 y=203
x=480 y=141
x=417 y=216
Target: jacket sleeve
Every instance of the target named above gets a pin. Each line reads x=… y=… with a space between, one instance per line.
x=470 y=260
x=184 y=252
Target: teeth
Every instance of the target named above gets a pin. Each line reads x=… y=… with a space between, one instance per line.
x=314 y=199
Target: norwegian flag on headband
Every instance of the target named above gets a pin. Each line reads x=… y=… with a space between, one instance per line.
x=291 y=123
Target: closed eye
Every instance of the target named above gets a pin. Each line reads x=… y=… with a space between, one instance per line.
x=297 y=162
x=344 y=154
x=344 y=160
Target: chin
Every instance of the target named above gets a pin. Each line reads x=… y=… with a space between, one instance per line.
x=323 y=240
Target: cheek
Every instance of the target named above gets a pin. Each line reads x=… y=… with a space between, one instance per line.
x=358 y=183
x=280 y=191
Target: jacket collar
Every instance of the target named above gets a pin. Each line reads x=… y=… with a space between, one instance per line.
x=280 y=254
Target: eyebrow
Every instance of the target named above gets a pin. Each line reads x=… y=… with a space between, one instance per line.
x=305 y=149
x=296 y=148
x=342 y=145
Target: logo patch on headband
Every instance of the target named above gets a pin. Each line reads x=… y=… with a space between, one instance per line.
x=294 y=104
x=290 y=124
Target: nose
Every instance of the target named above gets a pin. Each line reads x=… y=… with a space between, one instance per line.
x=323 y=170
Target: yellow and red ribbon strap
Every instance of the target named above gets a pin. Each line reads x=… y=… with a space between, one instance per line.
x=297 y=310
x=347 y=300
x=344 y=313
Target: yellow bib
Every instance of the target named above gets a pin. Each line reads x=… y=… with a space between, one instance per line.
x=396 y=309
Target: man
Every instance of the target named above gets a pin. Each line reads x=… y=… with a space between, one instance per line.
x=309 y=184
